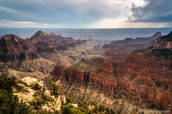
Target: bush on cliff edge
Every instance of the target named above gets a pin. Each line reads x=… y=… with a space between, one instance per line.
x=9 y=104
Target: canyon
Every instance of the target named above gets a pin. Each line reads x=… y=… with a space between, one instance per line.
x=129 y=75
x=143 y=76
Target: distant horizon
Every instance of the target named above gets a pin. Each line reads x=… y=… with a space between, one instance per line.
x=89 y=33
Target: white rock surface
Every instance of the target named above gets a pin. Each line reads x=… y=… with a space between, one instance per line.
x=41 y=83
x=29 y=80
x=57 y=104
x=47 y=93
x=46 y=108
x=74 y=105
x=63 y=99
x=28 y=95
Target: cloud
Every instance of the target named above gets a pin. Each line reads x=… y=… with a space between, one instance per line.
x=25 y=24
x=84 y=13
x=155 y=11
x=66 y=11
x=10 y=10
x=7 y=13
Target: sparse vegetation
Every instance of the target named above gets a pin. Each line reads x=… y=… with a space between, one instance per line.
x=38 y=99
x=161 y=85
x=55 y=89
x=69 y=100
x=69 y=109
x=9 y=104
x=84 y=108
x=162 y=52
x=36 y=86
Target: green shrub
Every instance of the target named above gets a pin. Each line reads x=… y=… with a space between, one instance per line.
x=161 y=85
x=83 y=108
x=68 y=109
x=9 y=104
x=162 y=52
x=36 y=86
x=69 y=100
x=6 y=82
x=20 y=87
x=47 y=98
x=38 y=99
x=55 y=89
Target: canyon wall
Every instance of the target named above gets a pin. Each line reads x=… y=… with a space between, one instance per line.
x=144 y=77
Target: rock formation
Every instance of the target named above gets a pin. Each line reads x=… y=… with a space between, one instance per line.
x=49 y=42
x=34 y=53
x=120 y=48
x=14 y=48
x=143 y=77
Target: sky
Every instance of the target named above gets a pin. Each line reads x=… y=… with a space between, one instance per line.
x=85 y=13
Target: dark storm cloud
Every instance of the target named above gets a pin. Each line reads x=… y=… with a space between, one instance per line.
x=153 y=11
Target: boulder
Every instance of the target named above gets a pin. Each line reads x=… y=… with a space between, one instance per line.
x=28 y=81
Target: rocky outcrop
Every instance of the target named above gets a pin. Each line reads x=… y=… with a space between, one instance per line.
x=14 y=48
x=149 y=74
x=37 y=53
x=89 y=72
x=151 y=68
x=38 y=96
x=120 y=48
x=164 y=42
x=138 y=85
x=49 y=42
x=143 y=77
